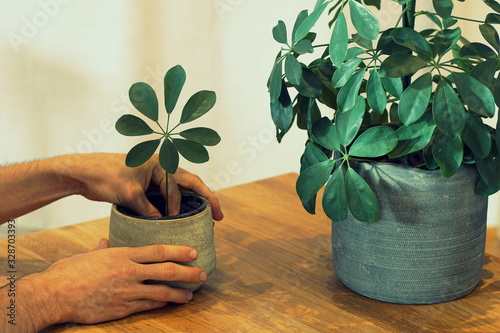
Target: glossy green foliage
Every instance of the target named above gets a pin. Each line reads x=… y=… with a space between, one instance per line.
x=191 y=146
x=372 y=94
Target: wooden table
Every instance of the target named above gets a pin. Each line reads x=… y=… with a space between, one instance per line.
x=274 y=274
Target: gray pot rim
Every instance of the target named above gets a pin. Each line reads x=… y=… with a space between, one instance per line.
x=125 y=212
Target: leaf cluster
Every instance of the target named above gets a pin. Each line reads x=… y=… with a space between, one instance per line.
x=388 y=95
x=190 y=143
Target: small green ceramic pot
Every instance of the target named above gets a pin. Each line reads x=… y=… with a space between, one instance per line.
x=193 y=227
x=428 y=245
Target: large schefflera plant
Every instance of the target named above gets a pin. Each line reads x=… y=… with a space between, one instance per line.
x=190 y=143
x=418 y=97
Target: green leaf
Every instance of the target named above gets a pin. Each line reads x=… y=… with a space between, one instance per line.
x=309 y=22
x=375 y=92
x=131 y=125
x=443 y=8
x=477 y=136
x=401 y=64
x=197 y=105
x=492 y=18
x=393 y=85
x=497 y=92
x=191 y=150
x=364 y=21
x=414 y=137
x=293 y=69
x=202 y=135
x=348 y=94
x=310 y=84
x=361 y=200
x=173 y=82
x=473 y=50
x=312 y=155
x=282 y=110
x=448 y=110
x=487 y=169
x=312 y=179
x=375 y=3
x=144 y=99
x=354 y=52
x=349 y=122
x=334 y=199
x=363 y=42
x=374 y=142
x=493 y=5
x=446 y=39
x=345 y=72
x=413 y=40
x=303 y=46
x=279 y=32
x=325 y=134
x=415 y=99
x=298 y=21
x=448 y=153
x=141 y=152
x=339 y=41
x=169 y=157
x=490 y=35
x=274 y=83
x=485 y=72
x=475 y=94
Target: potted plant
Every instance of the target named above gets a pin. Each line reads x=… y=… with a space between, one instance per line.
x=395 y=124
x=194 y=225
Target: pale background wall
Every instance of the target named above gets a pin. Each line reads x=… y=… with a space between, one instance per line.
x=67 y=66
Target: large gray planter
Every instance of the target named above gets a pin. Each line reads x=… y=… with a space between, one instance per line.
x=193 y=227
x=428 y=245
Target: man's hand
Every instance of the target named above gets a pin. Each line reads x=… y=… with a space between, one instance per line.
x=105 y=177
x=101 y=177
x=104 y=284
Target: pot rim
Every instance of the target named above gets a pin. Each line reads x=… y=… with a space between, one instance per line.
x=118 y=210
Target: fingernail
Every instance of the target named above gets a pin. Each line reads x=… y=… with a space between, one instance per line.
x=101 y=242
x=203 y=276
x=193 y=254
x=189 y=296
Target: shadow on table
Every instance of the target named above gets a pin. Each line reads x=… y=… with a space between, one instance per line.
x=474 y=311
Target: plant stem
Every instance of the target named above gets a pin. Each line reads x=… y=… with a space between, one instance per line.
x=408 y=14
x=166 y=193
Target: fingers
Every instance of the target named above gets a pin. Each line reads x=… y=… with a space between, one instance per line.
x=194 y=183
x=164 y=293
x=174 y=198
x=144 y=207
x=169 y=271
x=162 y=253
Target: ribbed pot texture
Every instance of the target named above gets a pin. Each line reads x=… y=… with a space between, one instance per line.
x=194 y=229
x=428 y=244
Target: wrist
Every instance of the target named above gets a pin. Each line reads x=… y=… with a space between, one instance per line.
x=65 y=170
x=36 y=304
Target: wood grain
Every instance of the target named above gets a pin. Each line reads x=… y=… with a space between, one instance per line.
x=274 y=274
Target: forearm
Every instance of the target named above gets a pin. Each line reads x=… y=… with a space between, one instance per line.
x=29 y=307
x=28 y=186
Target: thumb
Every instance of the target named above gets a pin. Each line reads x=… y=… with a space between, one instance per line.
x=103 y=244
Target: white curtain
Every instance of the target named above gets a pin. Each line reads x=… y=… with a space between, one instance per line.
x=67 y=66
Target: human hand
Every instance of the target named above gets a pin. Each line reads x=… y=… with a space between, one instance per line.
x=107 y=284
x=105 y=177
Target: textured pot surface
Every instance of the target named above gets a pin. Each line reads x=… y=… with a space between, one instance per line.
x=428 y=244
x=195 y=231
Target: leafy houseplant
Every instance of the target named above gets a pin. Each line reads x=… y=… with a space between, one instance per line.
x=416 y=97
x=192 y=143
x=194 y=225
